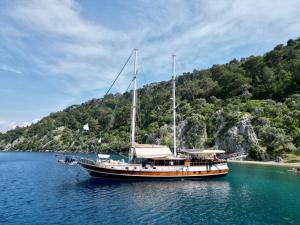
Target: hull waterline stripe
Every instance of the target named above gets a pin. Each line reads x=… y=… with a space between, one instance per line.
x=150 y=176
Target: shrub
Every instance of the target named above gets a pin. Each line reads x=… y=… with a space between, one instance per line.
x=255 y=152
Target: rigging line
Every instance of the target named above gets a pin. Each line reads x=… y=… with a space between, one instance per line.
x=118 y=153
x=139 y=118
x=116 y=78
x=119 y=74
x=111 y=120
x=129 y=84
x=115 y=108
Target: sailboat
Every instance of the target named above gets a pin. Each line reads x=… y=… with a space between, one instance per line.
x=147 y=161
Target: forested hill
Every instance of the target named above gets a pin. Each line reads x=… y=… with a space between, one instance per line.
x=251 y=104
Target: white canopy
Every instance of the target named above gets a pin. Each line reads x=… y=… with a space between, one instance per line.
x=103 y=156
x=151 y=151
x=205 y=151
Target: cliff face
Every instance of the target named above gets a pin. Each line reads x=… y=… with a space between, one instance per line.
x=250 y=106
x=238 y=138
x=233 y=137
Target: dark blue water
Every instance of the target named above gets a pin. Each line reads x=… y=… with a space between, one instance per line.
x=34 y=189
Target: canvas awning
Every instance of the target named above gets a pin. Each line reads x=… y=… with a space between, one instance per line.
x=205 y=151
x=151 y=151
x=103 y=156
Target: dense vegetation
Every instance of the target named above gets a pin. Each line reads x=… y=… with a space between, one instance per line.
x=266 y=88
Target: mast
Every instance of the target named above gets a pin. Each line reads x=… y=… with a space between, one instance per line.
x=174 y=106
x=134 y=97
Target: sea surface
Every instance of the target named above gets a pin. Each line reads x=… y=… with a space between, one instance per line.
x=35 y=189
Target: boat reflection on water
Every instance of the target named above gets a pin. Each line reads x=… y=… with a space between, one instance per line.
x=160 y=195
x=178 y=194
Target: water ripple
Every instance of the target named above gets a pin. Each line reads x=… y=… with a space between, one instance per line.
x=34 y=189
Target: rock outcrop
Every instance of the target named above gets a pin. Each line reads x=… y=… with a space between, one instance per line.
x=237 y=138
x=192 y=132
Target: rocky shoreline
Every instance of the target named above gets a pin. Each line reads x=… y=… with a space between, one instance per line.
x=266 y=163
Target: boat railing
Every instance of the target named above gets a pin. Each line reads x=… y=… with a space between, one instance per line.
x=87 y=161
x=208 y=163
x=125 y=166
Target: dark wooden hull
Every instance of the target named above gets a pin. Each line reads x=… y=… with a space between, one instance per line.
x=104 y=173
x=122 y=177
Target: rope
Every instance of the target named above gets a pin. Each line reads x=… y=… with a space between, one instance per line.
x=118 y=74
x=116 y=78
x=118 y=153
x=115 y=108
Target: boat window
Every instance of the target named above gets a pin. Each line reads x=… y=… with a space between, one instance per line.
x=166 y=162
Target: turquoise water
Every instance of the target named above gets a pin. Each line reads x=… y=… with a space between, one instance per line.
x=35 y=189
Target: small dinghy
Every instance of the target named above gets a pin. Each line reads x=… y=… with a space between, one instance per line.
x=69 y=160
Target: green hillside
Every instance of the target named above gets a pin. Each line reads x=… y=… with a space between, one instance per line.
x=248 y=105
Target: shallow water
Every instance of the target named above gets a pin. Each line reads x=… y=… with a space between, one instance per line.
x=35 y=189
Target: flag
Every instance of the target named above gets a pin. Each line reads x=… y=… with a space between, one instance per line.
x=86 y=127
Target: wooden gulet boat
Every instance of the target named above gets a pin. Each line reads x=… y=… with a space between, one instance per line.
x=147 y=161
